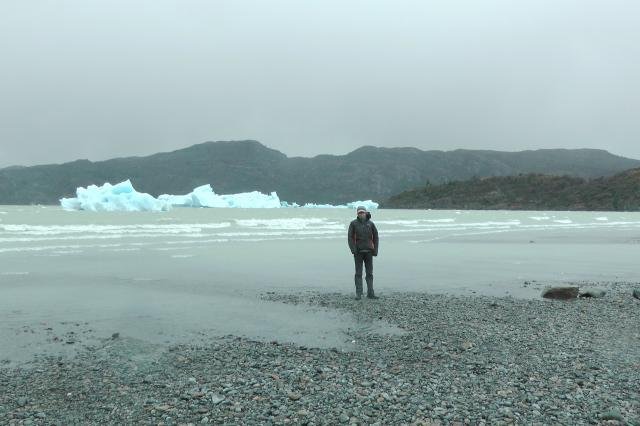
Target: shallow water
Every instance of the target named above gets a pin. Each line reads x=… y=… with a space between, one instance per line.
x=170 y=276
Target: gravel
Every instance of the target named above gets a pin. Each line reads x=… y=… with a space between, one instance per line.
x=459 y=360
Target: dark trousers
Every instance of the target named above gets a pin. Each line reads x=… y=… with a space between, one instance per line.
x=367 y=259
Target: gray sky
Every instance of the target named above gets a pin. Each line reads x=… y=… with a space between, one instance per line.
x=100 y=79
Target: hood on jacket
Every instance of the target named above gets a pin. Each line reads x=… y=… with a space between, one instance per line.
x=363 y=209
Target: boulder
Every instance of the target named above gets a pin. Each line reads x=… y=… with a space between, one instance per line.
x=612 y=414
x=636 y=293
x=560 y=293
x=592 y=292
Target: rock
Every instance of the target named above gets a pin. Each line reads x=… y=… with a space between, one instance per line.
x=344 y=418
x=636 y=293
x=560 y=293
x=22 y=401
x=505 y=411
x=114 y=336
x=466 y=345
x=192 y=380
x=294 y=396
x=592 y=292
x=216 y=399
x=613 y=414
x=440 y=411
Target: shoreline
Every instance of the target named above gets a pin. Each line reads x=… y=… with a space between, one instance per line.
x=465 y=359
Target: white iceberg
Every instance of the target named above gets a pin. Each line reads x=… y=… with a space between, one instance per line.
x=368 y=204
x=123 y=197
x=120 y=197
x=203 y=196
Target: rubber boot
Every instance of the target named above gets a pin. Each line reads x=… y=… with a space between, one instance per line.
x=370 y=293
x=358 y=281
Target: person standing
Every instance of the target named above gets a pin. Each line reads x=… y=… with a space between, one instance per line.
x=363 y=243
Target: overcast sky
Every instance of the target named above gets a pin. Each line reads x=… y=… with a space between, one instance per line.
x=101 y=79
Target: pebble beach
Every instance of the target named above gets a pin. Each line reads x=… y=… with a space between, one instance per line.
x=457 y=360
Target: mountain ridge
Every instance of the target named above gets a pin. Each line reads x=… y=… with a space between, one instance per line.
x=237 y=166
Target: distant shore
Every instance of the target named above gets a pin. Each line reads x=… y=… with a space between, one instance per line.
x=477 y=360
x=527 y=192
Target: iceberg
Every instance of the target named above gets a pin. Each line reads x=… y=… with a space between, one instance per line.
x=123 y=197
x=109 y=198
x=203 y=196
x=368 y=204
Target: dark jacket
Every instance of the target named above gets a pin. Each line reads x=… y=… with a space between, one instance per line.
x=363 y=236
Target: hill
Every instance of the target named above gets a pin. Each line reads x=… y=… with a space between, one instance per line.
x=527 y=192
x=366 y=173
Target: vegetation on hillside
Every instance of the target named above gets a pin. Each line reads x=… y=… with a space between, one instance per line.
x=620 y=192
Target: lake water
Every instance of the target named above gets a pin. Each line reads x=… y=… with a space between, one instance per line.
x=170 y=276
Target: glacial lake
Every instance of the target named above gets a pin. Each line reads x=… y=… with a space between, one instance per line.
x=171 y=276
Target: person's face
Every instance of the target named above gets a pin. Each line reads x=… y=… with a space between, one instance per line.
x=362 y=214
